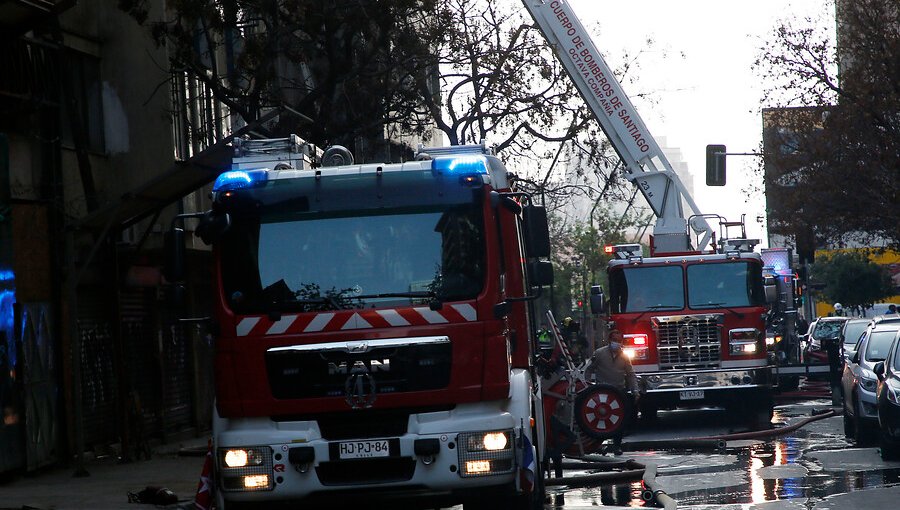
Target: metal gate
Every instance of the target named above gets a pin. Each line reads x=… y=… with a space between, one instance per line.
x=39 y=384
x=99 y=394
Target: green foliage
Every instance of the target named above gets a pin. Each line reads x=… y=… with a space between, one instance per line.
x=851 y=279
x=578 y=257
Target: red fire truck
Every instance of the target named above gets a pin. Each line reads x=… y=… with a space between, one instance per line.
x=375 y=331
x=693 y=316
x=694 y=327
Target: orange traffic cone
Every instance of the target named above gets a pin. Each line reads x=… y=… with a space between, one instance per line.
x=203 y=500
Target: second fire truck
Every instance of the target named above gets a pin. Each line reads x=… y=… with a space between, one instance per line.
x=693 y=313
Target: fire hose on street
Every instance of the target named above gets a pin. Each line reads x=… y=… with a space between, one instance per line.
x=616 y=470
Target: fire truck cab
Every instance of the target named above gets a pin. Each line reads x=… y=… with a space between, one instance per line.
x=375 y=333
x=694 y=328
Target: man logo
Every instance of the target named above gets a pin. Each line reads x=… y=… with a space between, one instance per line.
x=359 y=389
x=374 y=365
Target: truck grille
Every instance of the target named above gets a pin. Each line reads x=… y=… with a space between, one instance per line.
x=309 y=371
x=688 y=341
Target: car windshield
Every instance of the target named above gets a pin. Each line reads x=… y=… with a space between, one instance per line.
x=853 y=331
x=724 y=285
x=879 y=344
x=641 y=289
x=827 y=330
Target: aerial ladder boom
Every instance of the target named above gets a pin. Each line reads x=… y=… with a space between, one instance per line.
x=645 y=163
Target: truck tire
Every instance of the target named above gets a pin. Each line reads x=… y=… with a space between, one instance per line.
x=602 y=411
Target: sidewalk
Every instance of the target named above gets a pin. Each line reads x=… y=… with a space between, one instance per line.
x=175 y=466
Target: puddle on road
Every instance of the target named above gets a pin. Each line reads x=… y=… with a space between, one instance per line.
x=768 y=471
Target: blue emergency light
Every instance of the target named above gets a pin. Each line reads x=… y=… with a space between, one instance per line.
x=240 y=179
x=460 y=165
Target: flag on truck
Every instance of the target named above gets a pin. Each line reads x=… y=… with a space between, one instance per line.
x=529 y=466
x=203 y=499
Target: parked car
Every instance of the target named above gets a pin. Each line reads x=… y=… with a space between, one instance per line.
x=824 y=333
x=859 y=382
x=888 y=398
x=850 y=335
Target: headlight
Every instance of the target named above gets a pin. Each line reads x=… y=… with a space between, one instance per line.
x=892 y=395
x=635 y=352
x=743 y=348
x=489 y=441
x=242 y=458
x=743 y=341
x=868 y=384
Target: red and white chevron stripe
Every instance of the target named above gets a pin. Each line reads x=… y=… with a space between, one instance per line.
x=365 y=319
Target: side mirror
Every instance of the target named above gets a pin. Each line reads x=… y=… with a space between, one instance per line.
x=537 y=231
x=212 y=226
x=715 y=165
x=879 y=369
x=771 y=289
x=173 y=242
x=540 y=273
x=598 y=300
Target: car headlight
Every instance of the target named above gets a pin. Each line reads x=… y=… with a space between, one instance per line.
x=892 y=395
x=868 y=384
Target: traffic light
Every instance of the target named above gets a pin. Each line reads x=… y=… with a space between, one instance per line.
x=715 y=165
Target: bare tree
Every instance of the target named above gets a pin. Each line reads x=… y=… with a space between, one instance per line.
x=340 y=70
x=838 y=157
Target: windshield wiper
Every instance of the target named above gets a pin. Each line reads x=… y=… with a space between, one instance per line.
x=435 y=303
x=411 y=294
x=653 y=308
x=722 y=306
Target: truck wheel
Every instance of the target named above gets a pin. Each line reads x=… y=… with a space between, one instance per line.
x=602 y=411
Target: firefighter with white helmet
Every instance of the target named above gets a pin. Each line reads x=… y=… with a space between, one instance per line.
x=838 y=310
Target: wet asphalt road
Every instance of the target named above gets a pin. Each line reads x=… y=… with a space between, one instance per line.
x=814 y=467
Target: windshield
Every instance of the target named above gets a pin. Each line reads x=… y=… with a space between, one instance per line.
x=827 y=330
x=725 y=285
x=879 y=344
x=853 y=331
x=305 y=261
x=640 y=289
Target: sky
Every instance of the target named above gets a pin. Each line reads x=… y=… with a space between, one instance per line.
x=705 y=90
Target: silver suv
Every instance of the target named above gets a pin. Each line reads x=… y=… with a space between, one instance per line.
x=859 y=382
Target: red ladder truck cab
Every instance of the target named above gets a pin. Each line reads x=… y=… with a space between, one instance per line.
x=375 y=336
x=694 y=327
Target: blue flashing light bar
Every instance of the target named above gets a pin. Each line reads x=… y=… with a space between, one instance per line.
x=239 y=179
x=460 y=165
x=6 y=275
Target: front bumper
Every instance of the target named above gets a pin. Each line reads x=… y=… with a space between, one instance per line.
x=322 y=474
x=866 y=404
x=697 y=388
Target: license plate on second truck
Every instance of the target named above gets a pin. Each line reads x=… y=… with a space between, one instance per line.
x=363 y=449
x=691 y=395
